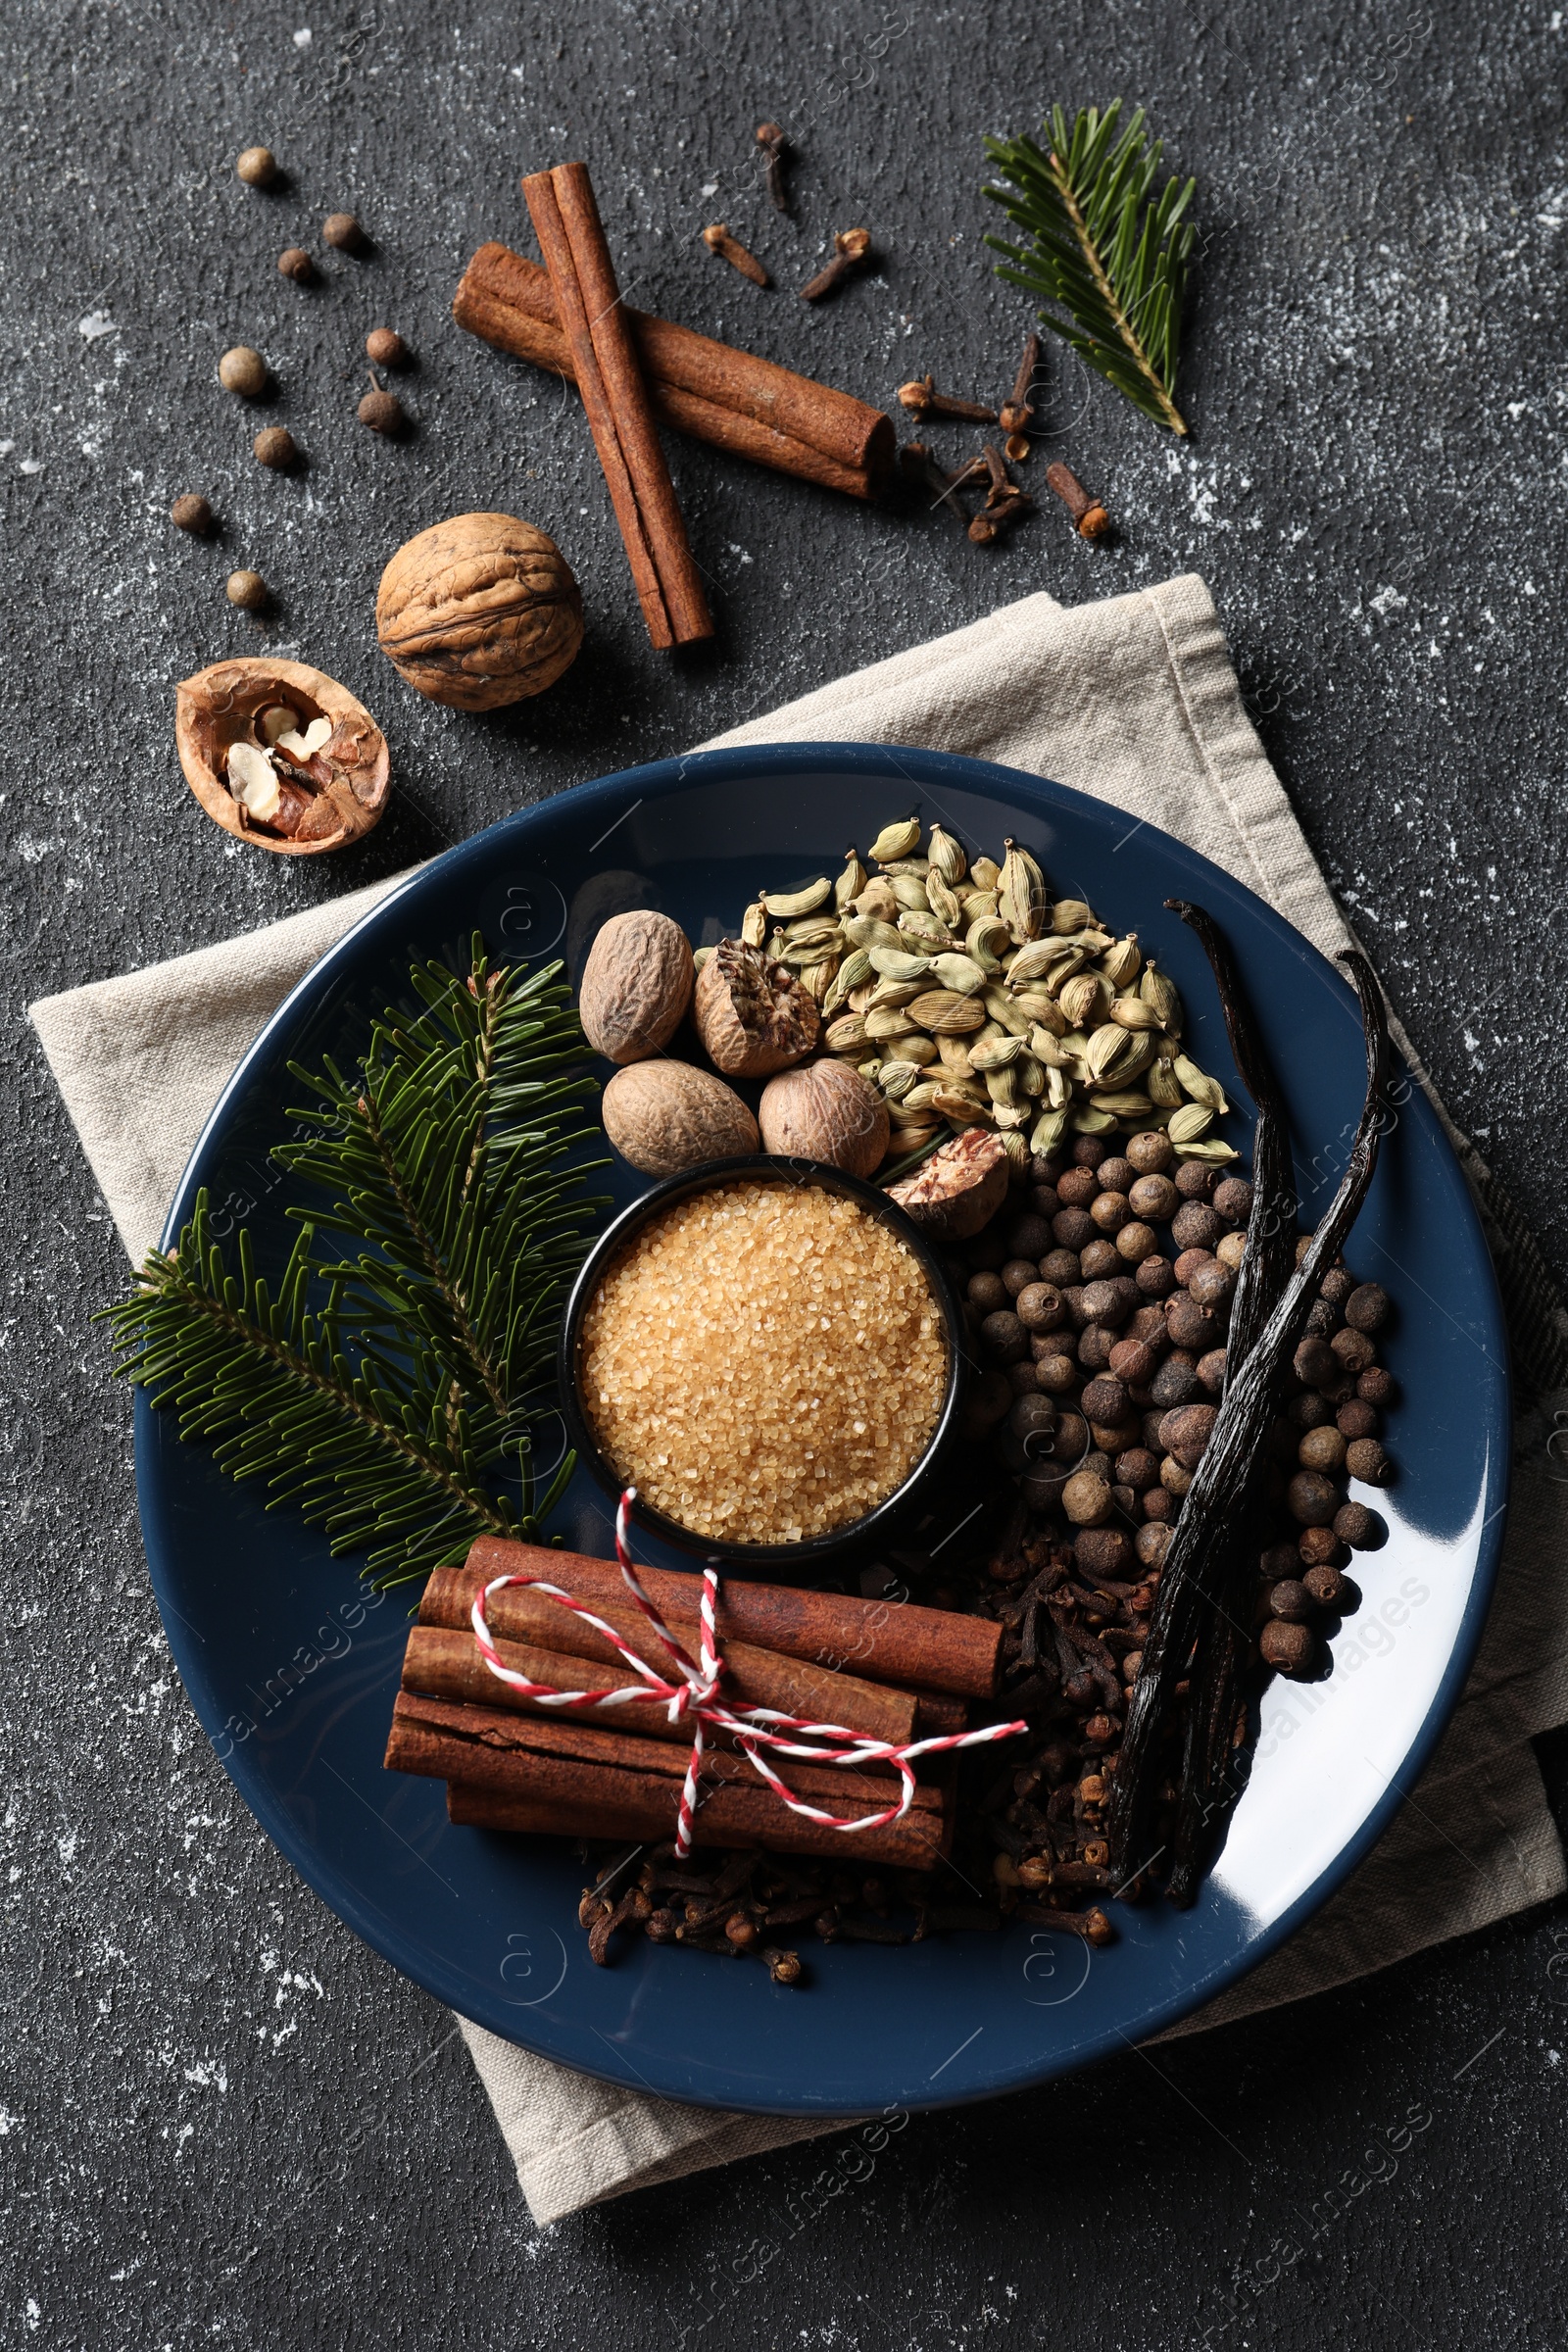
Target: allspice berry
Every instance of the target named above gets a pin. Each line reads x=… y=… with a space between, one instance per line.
x=191 y=513
x=275 y=445
x=248 y=590
x=295 y=263
x=257 y=167
x=382 y=411
x=386 y=347
x=1289 y=1649
x=343 y=232
x=242 y=371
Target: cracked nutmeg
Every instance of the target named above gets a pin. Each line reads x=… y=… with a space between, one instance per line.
x=752 y=1016
x=480 y=611
x=281 y=754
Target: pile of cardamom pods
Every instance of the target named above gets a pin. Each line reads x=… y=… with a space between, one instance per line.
x=970 y=997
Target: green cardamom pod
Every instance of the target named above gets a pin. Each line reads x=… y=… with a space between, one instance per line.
x=1031 y=1076
x=851 y=882
x=977 y=903
x=1050 y=1132
x=1084 y=1120
x=1121 y=963
x=1161 y=992
x=987 y=940
x=1022 y=899
x=847 y=1034
x=1003 y=1086
x=1039 y=1011
x=1124 y=1103
x=910 y=892
x=943 y=906
x=754 y=924
x=996 y=1053
x=895 y=840
x=986 y=872
x=947 y=856
x=865 y=931
x=1135 y=1012
x=959 y=972
x=1190 y=1123
x=1069 y=915
x=1084 y=1001
x=895 y=964
x=926 y=931
x=1197 y=1083
x=877 y=901
x=1164 y=1085
x=896 y=1078
x=895 y=991
x=919 y=1050
x=943 y=1011
x=1018 y=1151
x=886 y=1021
x=1214 y=1153
x=784 y=905
x=1003 y=1010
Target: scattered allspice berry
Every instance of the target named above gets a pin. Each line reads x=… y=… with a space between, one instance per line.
x=295 y=263
x=191 y=513
x=257 y=167
x=243 y=370
x=343 y=232
x=382 y=411
x=275 y=445
x=248 y=590
x=386 y=347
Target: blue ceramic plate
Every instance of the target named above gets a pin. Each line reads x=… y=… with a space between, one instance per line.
x=292 y=1669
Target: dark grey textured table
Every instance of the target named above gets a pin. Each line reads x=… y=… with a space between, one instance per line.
x=223 y=2120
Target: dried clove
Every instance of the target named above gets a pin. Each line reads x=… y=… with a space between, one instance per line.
x=851 y=249
x=773 y=144
x=1018 y=411
x=729 y=248
x=1087 y=512
x=922 y=399
x=920 y=466
x=1005 y=503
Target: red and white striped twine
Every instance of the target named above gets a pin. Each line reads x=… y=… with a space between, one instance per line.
x=690 y=1696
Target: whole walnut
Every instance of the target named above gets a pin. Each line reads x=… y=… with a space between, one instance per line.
x=751 y=1014
x=480 y=611
x=636 y=986
x=825 y=1111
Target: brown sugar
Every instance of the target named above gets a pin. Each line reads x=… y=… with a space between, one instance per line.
x=765 y=1363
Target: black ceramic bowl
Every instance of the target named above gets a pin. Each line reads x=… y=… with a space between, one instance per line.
x=857 y=1536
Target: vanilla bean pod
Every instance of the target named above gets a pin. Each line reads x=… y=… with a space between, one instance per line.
x=1224 y=1640
x=1220 y=1496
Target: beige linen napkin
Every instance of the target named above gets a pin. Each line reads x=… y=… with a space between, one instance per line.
x=1133 y=700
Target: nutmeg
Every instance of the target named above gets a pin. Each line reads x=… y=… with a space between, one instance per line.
x=636 y=986
x=752 y=1016
x=825 y=1111
x=478 y=611
x=664 y=1116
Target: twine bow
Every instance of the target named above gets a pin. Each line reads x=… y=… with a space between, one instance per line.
x=690 y=1694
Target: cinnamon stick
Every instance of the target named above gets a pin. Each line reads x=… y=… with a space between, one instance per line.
x=936 y=1650
x=728 y=398
x=609 y=376
x=569 y=1780
x=444 y=1659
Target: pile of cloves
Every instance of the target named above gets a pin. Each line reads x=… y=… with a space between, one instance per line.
x=1006 y=500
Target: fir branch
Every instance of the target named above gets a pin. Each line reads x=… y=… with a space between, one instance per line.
x=384 y=1393
x=1103 y=247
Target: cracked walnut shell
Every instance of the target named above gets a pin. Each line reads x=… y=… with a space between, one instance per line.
x=281 y=754
x=478 y=611
x=753 y=1016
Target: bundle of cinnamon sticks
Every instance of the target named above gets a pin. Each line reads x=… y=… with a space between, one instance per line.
x=616 y=1772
